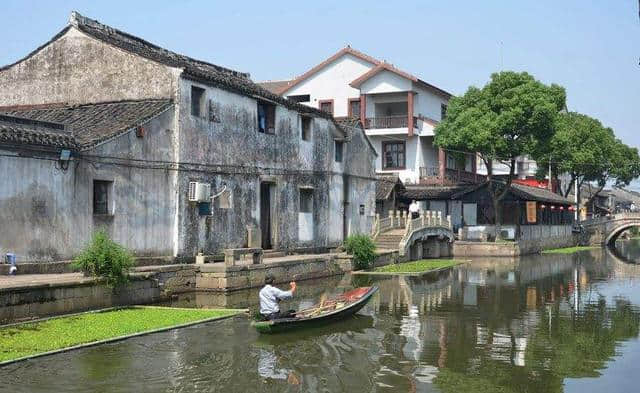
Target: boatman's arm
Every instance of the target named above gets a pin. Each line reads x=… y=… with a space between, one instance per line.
x=280 y=294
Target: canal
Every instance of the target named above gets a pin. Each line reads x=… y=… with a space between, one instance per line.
x=543 y=323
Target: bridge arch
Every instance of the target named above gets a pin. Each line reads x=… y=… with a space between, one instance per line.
x=613 y=234
x=441 y=234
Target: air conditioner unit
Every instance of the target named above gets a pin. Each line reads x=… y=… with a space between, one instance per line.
x=199 y=192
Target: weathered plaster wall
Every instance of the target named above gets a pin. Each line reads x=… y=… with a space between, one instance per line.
x=47 y=211
x=231 y=152
x=77 y=68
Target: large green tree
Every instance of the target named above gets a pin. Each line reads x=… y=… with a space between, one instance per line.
x=513 y=115
x=588 y=153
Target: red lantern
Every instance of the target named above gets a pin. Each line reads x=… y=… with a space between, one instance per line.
x=561 y=207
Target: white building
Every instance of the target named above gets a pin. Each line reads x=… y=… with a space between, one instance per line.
x=399 y=112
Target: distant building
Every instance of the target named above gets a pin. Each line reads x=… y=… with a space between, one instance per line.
x=101 y=129
x=399 y=112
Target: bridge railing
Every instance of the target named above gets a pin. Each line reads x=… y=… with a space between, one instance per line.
x=401 y=219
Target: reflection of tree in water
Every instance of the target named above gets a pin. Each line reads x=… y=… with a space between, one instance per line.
x=567 y=346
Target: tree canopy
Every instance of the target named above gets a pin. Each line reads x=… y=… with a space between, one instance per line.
x=589 y=152
x=513 y=115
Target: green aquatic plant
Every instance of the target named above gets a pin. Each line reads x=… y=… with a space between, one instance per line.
x=421 y=266
x=33 y=338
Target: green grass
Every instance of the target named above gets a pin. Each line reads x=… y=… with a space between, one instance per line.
x=569 y=250
x=421 y=266
x=32 y=338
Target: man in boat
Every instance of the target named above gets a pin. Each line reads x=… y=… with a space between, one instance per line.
x=269 y=298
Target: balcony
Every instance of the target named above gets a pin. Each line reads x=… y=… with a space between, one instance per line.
x=389 y=122
x=431 y=176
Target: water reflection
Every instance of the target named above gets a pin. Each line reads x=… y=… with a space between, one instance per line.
x=537 y=324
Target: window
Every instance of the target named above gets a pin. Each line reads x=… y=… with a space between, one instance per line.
x=101 y=196
x=266 y=118
x=338 y=150
x=451 y=161
x=393 y=155
x=354 y=107
x=306 y=128
x=443 y=111
x=197 y=101
x=300 y=98
x=326 y=106
x=306 y=200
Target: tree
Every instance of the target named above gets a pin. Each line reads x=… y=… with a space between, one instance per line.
x=589 y=153
x=513 y=115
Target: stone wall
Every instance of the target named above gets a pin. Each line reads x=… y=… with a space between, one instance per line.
x=35 y=301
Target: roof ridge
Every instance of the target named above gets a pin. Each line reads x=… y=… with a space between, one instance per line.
x=80 y=21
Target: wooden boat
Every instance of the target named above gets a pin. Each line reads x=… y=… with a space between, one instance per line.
x=326 y=311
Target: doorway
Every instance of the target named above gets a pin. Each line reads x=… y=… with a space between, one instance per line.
x=265 y=215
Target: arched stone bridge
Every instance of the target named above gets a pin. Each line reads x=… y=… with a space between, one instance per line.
x=429 y=235
x=605 y=230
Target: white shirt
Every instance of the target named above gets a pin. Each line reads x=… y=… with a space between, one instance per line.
x=269 y=297
x=414 y=208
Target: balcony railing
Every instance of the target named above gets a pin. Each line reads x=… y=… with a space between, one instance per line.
x=431 y=176
x=389 y=122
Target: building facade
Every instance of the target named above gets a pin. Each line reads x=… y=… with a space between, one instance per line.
x=154 y=135
x=399 y=112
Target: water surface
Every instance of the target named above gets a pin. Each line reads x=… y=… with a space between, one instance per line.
x=546 y=323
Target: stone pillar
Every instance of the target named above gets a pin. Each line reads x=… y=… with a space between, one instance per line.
x=423 y=218
x=439 y=218
x=442 y=164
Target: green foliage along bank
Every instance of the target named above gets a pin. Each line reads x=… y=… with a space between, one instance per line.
x=569 y=250
x=105 y=258
x=421 y=266
x=363 y=250
x=33 y=338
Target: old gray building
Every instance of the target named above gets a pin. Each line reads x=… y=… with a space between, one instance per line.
x=103 y=129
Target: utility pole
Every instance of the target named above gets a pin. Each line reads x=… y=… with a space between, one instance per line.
x=575 y=185
x=549 y=182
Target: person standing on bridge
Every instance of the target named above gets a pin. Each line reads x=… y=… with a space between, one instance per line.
x=414 y=209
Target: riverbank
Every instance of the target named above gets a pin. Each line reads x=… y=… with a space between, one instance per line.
x=53 y=335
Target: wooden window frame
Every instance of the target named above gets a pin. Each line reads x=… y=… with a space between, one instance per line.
x=270 y=112
x=349 y=111
x=199 y=105
x=338 y=157
x=404 y=155
x=320 y=102
x=308 y=192
x=443 y=111
x=108 y=196
x=309 y=132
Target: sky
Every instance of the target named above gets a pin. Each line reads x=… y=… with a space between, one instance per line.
x=591 y=47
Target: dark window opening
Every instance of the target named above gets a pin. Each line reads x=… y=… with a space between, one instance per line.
x=354 y=107
x=266 y=118
x=306 y=128
x=443 y=111
x=197 y=101
x=393 y=155
x=339 y=145
x=327 y=106
x=300 y=98
x=101 y=196
x=306 y=200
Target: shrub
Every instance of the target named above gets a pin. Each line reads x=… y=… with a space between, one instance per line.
x=362 y=248
x=105 y=258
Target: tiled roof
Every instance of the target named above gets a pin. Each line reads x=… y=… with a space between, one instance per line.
x=275 y=86
x=90 y=124
x=385 y=185
x=347 y=123
x=523 y=192
x=432 y=192
x=19 y=131
x=193 y=69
